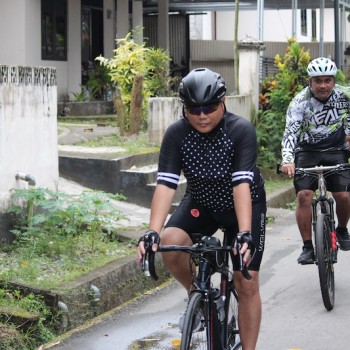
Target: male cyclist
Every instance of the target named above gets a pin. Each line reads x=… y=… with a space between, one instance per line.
x=317 y=132
x=216 y=151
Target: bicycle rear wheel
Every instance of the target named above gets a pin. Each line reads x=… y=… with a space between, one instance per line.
x=233 y=339
x=324 y=258
x=195 y=335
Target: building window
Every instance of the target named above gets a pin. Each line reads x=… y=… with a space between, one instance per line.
x=54 y=30
x=303 y=22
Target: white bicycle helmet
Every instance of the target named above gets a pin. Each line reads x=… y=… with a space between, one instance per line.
x=321 y=66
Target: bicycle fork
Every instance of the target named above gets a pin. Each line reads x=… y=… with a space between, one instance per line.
x=326 y=206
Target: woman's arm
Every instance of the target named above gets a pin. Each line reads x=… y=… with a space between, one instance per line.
x=243 y=206
x=160 y=207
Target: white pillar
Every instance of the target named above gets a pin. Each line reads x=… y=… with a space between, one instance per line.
x=249 y=67
x=108 y=28
x=163 y=24
x=122 y=19
x=74 y=48
x=294 y=18
x=321 y=47
x=260 y=7
x=137 y=20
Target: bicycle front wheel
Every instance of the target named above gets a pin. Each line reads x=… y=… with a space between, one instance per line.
x=195 y=334
x=324 y=258
x=233 y=339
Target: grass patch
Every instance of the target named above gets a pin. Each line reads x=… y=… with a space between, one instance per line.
x=61 y=237
x=275 y=184
x=24 y=266
x=135 y=144
x=108 y=119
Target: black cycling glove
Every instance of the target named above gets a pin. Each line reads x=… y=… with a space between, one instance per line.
x=149 y=238
x=246 y=237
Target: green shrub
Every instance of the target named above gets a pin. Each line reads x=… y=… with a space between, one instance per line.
x=276 y=93
x=63 y=219
x=25 y=336
x=133 y=61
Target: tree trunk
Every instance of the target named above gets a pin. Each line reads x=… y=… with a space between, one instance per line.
x=119 y=109
x=136 y=105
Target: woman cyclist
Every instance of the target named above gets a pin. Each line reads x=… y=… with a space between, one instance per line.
x=216 y=151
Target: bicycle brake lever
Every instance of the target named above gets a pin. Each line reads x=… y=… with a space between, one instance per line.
x=145 y=265
x=151 y=266
x=242 y=266
x=246 y=273
x=278 y=169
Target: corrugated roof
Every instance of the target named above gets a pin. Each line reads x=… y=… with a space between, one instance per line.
x=206 y=5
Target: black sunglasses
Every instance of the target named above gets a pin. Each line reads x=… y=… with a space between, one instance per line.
x=197 y=110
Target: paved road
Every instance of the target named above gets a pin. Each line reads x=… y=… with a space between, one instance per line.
x=294 y=317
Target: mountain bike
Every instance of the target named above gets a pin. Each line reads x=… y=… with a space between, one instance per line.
x=323 y=226
x=210 y=320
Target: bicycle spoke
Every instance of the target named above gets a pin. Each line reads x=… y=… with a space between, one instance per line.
x=195 y=333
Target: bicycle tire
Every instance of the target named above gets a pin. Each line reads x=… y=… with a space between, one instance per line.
x=192 y=339
x=324 y=258
x=233 y=339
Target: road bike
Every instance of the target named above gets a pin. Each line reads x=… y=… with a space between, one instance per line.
x=323 y=226
x=210 y=320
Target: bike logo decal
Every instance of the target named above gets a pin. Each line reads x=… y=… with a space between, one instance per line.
x=195 y=213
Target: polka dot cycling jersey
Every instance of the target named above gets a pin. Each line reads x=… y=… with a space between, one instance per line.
x=212 y=163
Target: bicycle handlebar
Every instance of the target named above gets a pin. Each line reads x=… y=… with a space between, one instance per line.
x=329 y=169
x=148 y=260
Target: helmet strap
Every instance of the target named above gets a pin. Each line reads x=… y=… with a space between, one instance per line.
x=225 y=110
x=184 y=112
x=314 y=96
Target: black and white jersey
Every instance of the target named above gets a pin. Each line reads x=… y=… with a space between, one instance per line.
x=212 y=163
x=312 y=125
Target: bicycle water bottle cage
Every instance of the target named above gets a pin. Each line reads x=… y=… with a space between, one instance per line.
x=216 y=258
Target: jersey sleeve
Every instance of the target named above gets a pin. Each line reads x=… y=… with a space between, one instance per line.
x=245 y=153
x=169 y=166
x=294 y=118
x=346 y=92
x=347 y=122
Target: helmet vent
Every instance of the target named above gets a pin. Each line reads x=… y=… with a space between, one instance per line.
x=207 y=92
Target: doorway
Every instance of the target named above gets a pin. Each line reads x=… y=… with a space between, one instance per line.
x=91 y=35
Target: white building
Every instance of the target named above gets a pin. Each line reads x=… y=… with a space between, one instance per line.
x=277 y=25
x=70 y=34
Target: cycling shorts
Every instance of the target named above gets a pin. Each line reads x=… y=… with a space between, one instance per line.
x=335 y=183
x=194 y=218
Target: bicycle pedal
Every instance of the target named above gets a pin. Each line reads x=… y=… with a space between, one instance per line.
x=308 y=263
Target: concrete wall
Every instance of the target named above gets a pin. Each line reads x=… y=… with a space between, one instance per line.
x=163 y=111
x=28 y=130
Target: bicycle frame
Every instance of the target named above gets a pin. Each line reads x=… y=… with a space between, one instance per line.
x=326 y=204
x=217 y=334
x=323 y=227
x=200 y=252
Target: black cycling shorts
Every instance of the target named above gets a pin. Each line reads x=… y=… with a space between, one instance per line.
x=335 y=183
x=193 y=218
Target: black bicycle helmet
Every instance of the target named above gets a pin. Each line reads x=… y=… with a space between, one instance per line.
x=201 y=87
